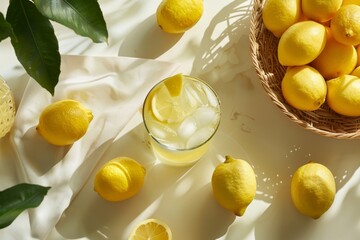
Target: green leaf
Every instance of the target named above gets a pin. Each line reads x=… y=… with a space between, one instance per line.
x=83 y=16
x=35 y=43
x=16 y=199
x=5 y=28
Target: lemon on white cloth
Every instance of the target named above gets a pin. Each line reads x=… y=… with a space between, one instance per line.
x=64 y=122
x=119 y=179
x=313 y=189
x=234 y=185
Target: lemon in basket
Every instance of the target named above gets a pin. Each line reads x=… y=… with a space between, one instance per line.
x=301 y=43
x=320 y=10
x=7 y=108
x=336 y=59
x=345 y=25
x=64 y=122
x=234 y=185
x=278 y=15
x=346 y=2
x=119 y=179
x=313 y=189
x=343 y=95
x=356 y=72
x=178 y=16
x=304 y=88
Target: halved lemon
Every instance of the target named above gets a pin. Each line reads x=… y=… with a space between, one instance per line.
x=151 y=229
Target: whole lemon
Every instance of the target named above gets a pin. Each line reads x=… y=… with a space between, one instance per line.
x=346 y=2
x=343 y=95
x=234 y=185
x=304 y=88
x=278 y=15
x=345 y=25
x=178 y=16
x=336 y=59
x=64 y=122
x=119 y=179
x=320 y=10
x=301 y=43
x=7 y=108
x=313 y=189
x=356 y=72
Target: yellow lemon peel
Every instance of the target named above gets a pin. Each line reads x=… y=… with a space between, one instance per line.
x=64 y=122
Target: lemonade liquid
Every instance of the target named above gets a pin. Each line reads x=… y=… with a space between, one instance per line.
x=181 y=126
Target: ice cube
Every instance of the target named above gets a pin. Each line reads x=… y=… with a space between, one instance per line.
x=200 y=89
x=187 y=127
x=191 y=93
x=174 y=145
x=161 y=131
x=200 y=136
x=205 y=116
x=212 y=99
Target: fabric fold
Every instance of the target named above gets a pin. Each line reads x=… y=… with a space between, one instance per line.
x=114 y=89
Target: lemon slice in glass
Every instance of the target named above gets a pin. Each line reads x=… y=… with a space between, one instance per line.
x=151 y=229
x=7 y=108
x=174 y=84
x=166 y=108
x=167 y=100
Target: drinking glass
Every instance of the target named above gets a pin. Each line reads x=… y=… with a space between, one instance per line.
x=180 y=127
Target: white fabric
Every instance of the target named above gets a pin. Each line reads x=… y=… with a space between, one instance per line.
x=114 y=89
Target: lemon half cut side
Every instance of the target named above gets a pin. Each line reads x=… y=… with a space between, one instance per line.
x=151 y=229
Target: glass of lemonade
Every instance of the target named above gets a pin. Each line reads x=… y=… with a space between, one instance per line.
x=181 y=115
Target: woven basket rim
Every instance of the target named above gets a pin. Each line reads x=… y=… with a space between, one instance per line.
x=324 y=121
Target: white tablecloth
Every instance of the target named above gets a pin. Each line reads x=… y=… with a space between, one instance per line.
x=217 y=50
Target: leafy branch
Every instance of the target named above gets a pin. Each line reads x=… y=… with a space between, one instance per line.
x=16 y=199
x=28 y=24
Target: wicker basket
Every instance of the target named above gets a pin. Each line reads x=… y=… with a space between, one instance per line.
x=264 y=56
